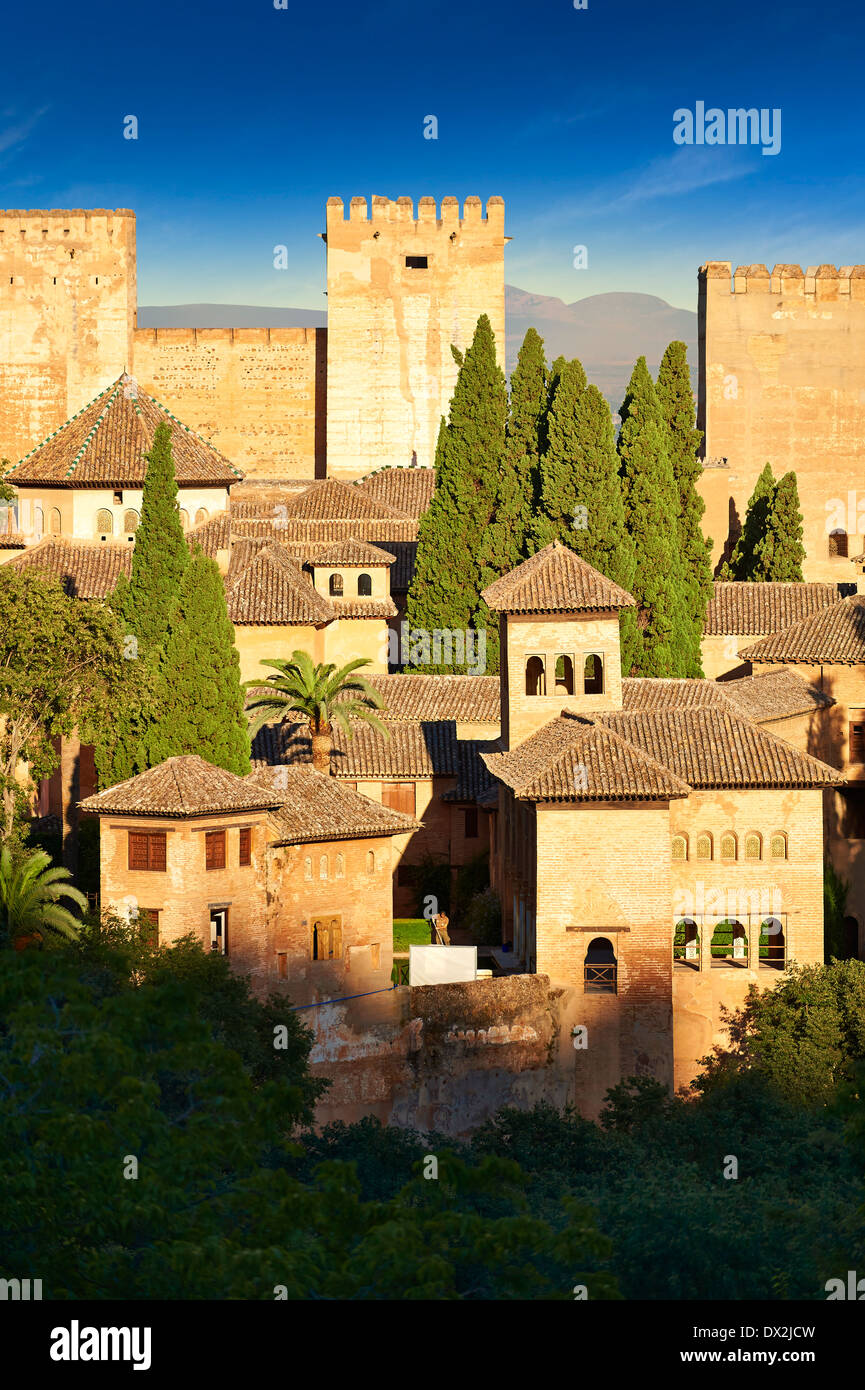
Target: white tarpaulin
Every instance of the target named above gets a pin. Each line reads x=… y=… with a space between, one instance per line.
x=442 y=965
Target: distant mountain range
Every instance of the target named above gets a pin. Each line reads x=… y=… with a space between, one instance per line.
x=608 y=332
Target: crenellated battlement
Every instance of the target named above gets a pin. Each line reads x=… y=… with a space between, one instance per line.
x=402 y=211
x=817 y=282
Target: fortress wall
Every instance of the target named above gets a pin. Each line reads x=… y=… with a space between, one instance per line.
x=258 y=394
x=67 y=306
x=782 y=379
x=390 y=370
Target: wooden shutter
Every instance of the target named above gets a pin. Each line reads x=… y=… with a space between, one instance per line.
x=336 y=938
x=399 y=796
x=214 y=842
x=156 y=850
x=856 y=752
x=137 y=849
x=246 y=845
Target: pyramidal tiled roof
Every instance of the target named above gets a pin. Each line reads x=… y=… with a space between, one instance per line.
x=746 y=609
x=835 y=635
x=576 y=759
x=104 y=445
x=350 y=552
x=409 y=490
x=272 y=589
x=555 y=580
x=333 y=500
x=315 y=807
x=182 y=786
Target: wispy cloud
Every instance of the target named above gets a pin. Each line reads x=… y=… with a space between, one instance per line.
x=12 y=136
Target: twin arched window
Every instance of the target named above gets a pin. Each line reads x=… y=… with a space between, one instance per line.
x=130 y=521
x=563 y=678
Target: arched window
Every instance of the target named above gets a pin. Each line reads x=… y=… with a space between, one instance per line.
x=184 y=518
x=130 y=521
x=536 y=680
x=593 y=675
x=564 y=675
x=322 y=866
x=39 y=520
x=680 y=847
x=686 y=943
x=837 y=543
x=729 y=846
x=600 y=967
x=704 y=847
x=364 y=585
x=104 y=522
x=336 y=586
x=778 y=845
x=201 y=515
x=340 y=866
x=729 y=944
x=753 y=846
x=56 y=521
x=773 y=947
x=370 y=862
x=307 y=867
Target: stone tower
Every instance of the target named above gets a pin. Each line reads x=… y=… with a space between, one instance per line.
x=400 y=290
x=67 y=316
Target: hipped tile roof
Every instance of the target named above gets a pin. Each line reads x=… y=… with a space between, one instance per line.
x=407 y=490
x=104 y=445
x=834 y=636
x=332 y=500
x=719 y=748
x=272 y=590
x=181 y=787
x=577 y=759
x=87 y=569
x=468 y=699
x=744 y=609
x=350 y=552
x=774 y=694
x=315 y=807
x=555 y=580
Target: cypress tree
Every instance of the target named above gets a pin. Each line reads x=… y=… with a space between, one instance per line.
x=509 y=540
x=676 y=401
x=161 y=554
x=199 y=693
x=555 y=514
x=651 y=508
x=780 y=552
x=743 y=564
x=445 y=590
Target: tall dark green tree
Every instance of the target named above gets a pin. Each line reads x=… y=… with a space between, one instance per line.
x=200 y=698
x=743 y=563
x=651 y=511
x=676 y=401
x=161 y=554
x=560 y=463
x=445 y=590
x=509 y=540
x=780 y=552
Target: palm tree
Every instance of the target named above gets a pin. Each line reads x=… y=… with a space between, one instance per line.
x=30 y=890
x=326 y=697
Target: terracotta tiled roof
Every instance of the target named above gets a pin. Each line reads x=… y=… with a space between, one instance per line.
x=211 y=535
x=774 y=694
x=364 y=607
x=12 y=540
x=555 y=580
x=332 y=500
x=316 y=807
x=408 y=490
x=737 y=609
x=350 y=552
x=717 y=748
x=834 y=636
x=181 y=787
x=88 y=569
x=474 y=781
x=576 y=759
x=468 y=699
x=273 y=590
x=770 y=695
x=405 y=554
x=322 y=531
x=105 y=443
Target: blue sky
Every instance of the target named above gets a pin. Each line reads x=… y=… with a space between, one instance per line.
x=250 y=117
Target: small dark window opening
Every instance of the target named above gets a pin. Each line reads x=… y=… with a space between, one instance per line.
x=856 y=752
x=838 y=543
x=600 y=967
x=471 y=831
x=219 y=930
x=118 y=499
x=593 y=675
x=364 y=586
x=336 y=585
x=245 y=846
x=536 y=683
x=417 y=262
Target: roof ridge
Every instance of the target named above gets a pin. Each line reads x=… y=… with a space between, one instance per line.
x=54 y=433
